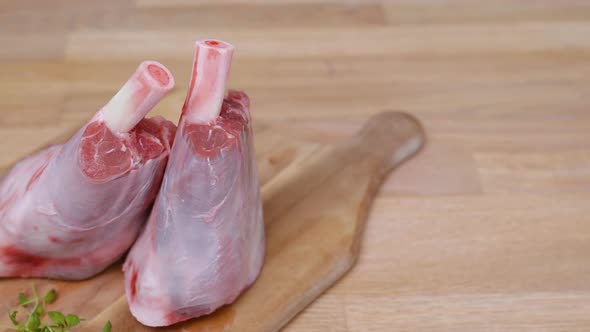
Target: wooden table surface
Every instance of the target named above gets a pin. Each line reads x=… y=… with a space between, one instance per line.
x=488 y=229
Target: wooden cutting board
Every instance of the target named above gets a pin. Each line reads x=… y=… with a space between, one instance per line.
x=315 y=204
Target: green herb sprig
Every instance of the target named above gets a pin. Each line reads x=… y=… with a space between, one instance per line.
x=35 y=311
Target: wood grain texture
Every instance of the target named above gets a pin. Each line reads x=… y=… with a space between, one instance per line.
x=487 y=230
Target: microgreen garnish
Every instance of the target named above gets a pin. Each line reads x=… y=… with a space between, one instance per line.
x=35 y=311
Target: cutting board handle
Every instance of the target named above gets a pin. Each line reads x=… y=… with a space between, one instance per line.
x=389 y=138
x=384 y=142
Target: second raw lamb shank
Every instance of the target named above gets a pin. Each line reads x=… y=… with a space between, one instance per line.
x=204 y=242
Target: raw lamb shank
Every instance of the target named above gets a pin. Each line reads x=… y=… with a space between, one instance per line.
x=204 y=242
x=71 y=210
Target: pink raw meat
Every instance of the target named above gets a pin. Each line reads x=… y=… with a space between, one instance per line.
x=71 y=210
x=204 y=242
